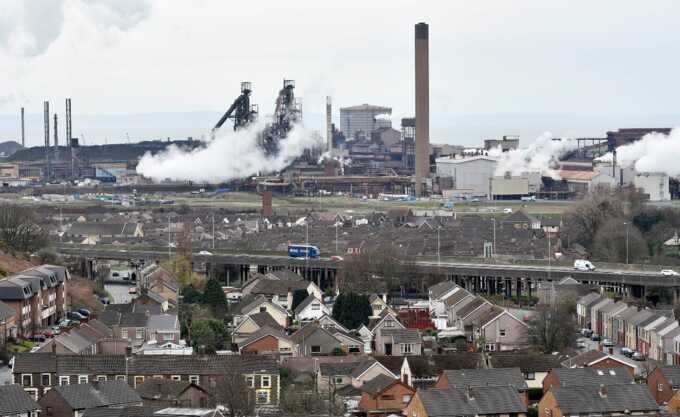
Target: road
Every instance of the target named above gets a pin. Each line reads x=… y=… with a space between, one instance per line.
x=119 y=290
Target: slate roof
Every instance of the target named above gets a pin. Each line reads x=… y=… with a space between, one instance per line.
x=401 y=335
x=493 y=377
x=442 y=288
x=99 y=394
x=263 y=318
x=6 y=311
x=120 y=412
x=284 y=275
x=163 y=322
x=584 y=358
x=377 y=384
x=14 y=400
x=141 y=364
x=592 y=376
x=470 y=307
x=163 y=389
x=588 y=298
x=628 y=398
x=481 y=401
x=525 y=361
x=277 y=287
x=307 y=301
x=15 y=289
x=672 y=374
x=456 y=297
x=338 y=368
x=133 y=320
x=262 y=332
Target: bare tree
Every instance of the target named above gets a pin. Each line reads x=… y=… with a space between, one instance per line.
x=233 y=393
x=618 y=240
x=20 y=229
x=553 y=328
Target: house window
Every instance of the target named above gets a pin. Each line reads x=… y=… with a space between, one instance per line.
x=250 y=381
x=82 y=379
x=266 y=381
x=389 y=323
x=530 y=376
x=490 y=347
x=407 y=348
x=354 y=349
x=316 y=349
x=45 y=380
x=158 y=377
x=659 y=387
x=405 y=398
x=213 y=383
x=101 y=377
x=387 y=397
x=263 y=309
x=124 y=333
x=262 y=396
x=64 y=380
x=548 y=412
x=337 y=380
x=33 y=392
x=139 y=380
x=316 y=307
x=168 y=337
x=120 y=378
x=176 y=378
x=139 y=333
x=27 y=380
x=49 y=411
x=501 y=332
x=193 y=379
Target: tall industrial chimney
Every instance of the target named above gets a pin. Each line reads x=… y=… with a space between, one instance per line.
x=422 y=106
x=23 y=132
x=68 y=122
x=56 y=139
x=46 y=111
x=329 y=125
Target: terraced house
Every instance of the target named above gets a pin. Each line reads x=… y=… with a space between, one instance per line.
x=37 y=373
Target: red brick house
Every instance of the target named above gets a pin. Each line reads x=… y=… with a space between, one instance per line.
x=663 y=382
x=382 y=396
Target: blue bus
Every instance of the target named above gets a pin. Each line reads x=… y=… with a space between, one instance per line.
x=298 y=251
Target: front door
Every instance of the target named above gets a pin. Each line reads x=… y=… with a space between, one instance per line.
x=388 y=349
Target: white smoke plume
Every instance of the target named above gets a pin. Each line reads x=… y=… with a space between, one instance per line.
x=655 y=152
x=231 y=155
x=28 y=28
x=540 y=156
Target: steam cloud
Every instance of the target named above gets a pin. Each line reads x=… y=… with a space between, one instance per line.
x=541 y=156
x=28 y=28
x=655 y=152
x=231 y=155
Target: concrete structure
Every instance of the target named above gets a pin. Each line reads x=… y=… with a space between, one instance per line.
x=360 y=121
x=515 y=187
x=471 y=176
x=507 y=143
x=655 y=184
x=422 y=94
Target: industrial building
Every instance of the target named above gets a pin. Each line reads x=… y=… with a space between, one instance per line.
x=469 y=176
x=358 y=122
x=655 y=184
x=510 y=187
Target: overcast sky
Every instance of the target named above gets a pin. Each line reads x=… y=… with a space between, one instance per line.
x=600 y=64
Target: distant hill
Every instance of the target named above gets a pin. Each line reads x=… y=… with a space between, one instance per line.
x=8 y=148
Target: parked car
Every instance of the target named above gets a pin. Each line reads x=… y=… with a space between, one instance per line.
x=65 y=323
x=586 y=332
x=105 y=300
x=56 y=330
x=607 y=343
x=581 y=344
x=595 y=337
x=205 y=253
x=85 y=312
x=627 y=352
x=115 y=274
x=38 y=338
x=337 y=258
x=48 y=333
x=637 y=356
x=74 y=315
x=507 y=210
x=669 y=273
x=132 y=290
x=583 y=265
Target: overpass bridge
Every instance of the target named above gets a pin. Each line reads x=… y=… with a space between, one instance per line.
x=486 y=278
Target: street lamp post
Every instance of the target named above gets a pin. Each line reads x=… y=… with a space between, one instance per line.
x=493 y=250
x=439 y=259
x=626 y=224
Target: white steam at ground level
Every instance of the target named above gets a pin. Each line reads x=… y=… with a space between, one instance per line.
x=655 y=152
x=231 y=155
x=541 y=156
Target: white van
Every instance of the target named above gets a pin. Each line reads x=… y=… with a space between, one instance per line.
x=583 y=265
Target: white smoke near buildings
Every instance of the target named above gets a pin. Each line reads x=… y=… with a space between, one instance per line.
x=655 y=152
x=231 y=155
x=28 y=28
x=540 y=156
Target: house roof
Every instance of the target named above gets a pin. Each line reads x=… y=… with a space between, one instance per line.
x=377 y=384
x=402 y=335
x=641 y=316
x=6 y=311
x=592 y=376
x=438 y=290
x=431 y=366
x=284 y=275
x=628 y=398
x=366 y=365
x=307 y=330
x=277 y=286
x=456 y=297
x=584 y=359
x=98 y=394
x=13 y=288
x=263 y=318
x=470 y=307
x=589 y=298
x=525 y=361
x=14 y=400
x=163 y=389
x=480 y=401
x=672 y=374
x=338 y=368
x=260 y=333
x=307 y=301
x=490 y=377
x=163 y=322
